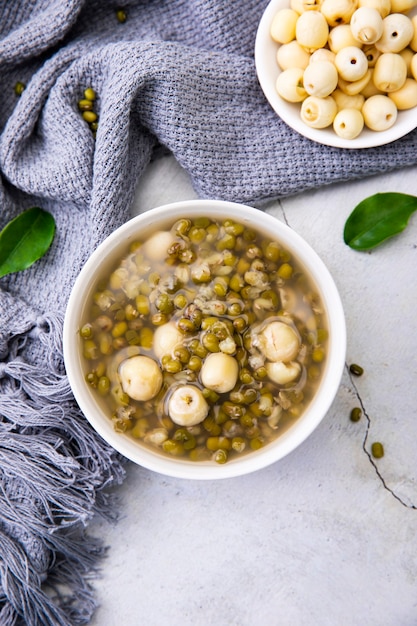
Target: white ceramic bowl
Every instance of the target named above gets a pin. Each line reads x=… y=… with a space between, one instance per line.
x=145 y=224
x=267 y=70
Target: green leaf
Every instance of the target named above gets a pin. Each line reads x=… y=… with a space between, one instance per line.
x=377 y=218
x=25 y=239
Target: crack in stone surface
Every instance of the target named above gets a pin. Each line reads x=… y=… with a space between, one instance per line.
x=368 y=419
x=368 y=454
x=281 y=206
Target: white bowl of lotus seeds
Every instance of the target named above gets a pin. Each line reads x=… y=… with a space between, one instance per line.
x=341 y=72
x=204 y=339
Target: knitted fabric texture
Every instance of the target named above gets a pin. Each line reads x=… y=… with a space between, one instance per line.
x=177 y=74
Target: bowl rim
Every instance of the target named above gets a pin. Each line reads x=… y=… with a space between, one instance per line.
x=286 y=442
x=267 y=71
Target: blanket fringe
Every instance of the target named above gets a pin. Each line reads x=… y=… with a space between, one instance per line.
x=55 y=475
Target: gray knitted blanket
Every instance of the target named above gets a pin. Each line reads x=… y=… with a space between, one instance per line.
x=175 y=75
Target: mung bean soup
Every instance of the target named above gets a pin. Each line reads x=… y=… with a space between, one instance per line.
x=206 y=340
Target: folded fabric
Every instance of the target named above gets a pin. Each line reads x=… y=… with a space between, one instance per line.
x=176 y=74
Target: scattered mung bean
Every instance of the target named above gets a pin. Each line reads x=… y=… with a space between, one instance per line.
x=86 y=107
x=19 y=88
x=121 y=15
x=377 y=450
x=355 y=369
x=355 y=414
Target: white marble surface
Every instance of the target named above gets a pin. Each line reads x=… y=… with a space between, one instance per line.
x=327 y=536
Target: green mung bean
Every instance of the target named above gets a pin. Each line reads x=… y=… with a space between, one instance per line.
x=175 y=448
x=91 y=378
x=355 y=414
x=121 y=15
x=90 y=94
x=355 y=369
x=210 y=342
x=180 y=301
x=89 y=116
x=19 y=88
x=220 y=456
x=103 y=385
x=85 y=105
x=195 y=363
x=90 y=350
x=86 y=331
x=185 y=325
x=377 y=450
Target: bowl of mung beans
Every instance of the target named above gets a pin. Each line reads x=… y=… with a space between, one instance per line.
x=204 y=339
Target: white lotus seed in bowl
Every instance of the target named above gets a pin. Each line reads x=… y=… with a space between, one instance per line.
x=399 y=37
